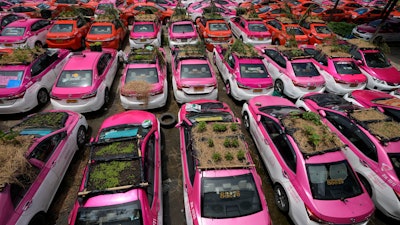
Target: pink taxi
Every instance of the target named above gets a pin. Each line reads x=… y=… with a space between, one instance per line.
x=84 y=83
x=339 y=69
x=313 y=181
x=193 y=76
x=244 y=75
x=250 y=30
x=27 y=83
x=146 y=30
x=55 y=136
x=131 y=193
x=25 y=33
x=373 y=139
x=293 y=71
x=144 y=80
x=182 y=32
x=223 y=187
x=198 y=9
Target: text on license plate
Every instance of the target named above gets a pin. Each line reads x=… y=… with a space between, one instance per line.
x=59 y=41
x=72 y=101
x=198 y=88
x=183 y=40
x=353 y=85
x=311 y=88
x=142 y=40
x=260 y=39
x=257 y=90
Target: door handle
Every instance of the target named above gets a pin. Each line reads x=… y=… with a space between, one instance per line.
x=285 y=175
x=53 y=164
x=27 y=205
x=365 y=164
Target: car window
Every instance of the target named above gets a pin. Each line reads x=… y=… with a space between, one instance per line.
x=253 y=71
x=149 y=167
x=101 y=29
x=42 y=63
x=146 y=74
x=182 y=28
x=218 y=26
x=346 y=67
x=281 y=142
x=304 y=24
x=190 y=157
x=143 y=28
x=242 y=24
x=103 y=62
x=195 y=71
x=231 y=61
x=80 y=22
x=276 y=57
x=354 y=134
x=45 y=149
x=61 y=28
x=13 y=31
x=306 y=69
x=257 y=27
x=75 y=78
x=321 y=59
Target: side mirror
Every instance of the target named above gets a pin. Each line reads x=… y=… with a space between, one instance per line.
x=258 y=119
x=359 y=62
x=322 y=113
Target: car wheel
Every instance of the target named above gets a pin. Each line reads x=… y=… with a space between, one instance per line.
x=281 y=199
x=81 y=137
x=246 y=120
x=228 y=88
x=38 y=44
x=366 y=185
x=38 y=219
x=276 y=42
x=167 y=120
x=279 y=87
x=43 y=97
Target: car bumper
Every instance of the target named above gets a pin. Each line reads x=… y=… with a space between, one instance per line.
x=257 y=42
x=155 y=101
x=365 y=36
x=241 y=94
x=136 y=43
x=341 y=89
x=181 y=97
x=179 y=43
x=373 y=85
x=28 y=102
x=82 y=106
x=67 y=44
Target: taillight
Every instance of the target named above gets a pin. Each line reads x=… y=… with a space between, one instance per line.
x=242 y=86
x=20 y=95
x=91 y=95
x=54 y=97
x=313 y=217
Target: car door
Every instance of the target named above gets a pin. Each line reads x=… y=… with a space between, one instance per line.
x=39 y=30
x=106 y=68
x=44 y=70
x=275 y=63
x=235 y=26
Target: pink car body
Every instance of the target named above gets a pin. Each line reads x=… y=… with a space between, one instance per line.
x=25 y=86
x=193 y=76
x=374 y=158
x=244 y=77
x=302 y=179
x=293 y=76
x=381 y=74
x=153 y=71
x=84 y=83
x=25 y=33
x=49 y=155
x=251 y=31
x=145 y=32
x=140 y=200
x=340 y=72
x=182 y=33
x=210 y=192
x=195 y=10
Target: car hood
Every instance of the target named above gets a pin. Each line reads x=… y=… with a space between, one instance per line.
x=348 y=211
x=68 y=93
x=389 y=74
x=366 y=28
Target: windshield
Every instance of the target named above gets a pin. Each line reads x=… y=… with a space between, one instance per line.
x=10 y=79
x=60 y=28
x=145 y=74
x=122 y=132
x=306 y=69
x=218 y=26
x=100 y=30
x=395 y=159
x=346 y=67
x=229 y=197
x=13 y=31
x=264 y=9
x=75 y=78
x=361 y=10
x=182 y=28
x=333 y=181
x=322 y=30
x=123 y=214
x=195 y=71
x=253 y=71
x=257 y=27
x=294 y=30
x=143 y=28
x=376 y=60
x=105 y=6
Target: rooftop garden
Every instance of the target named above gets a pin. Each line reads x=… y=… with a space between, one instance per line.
x=47 y=119
x=192 y=51
x=146 y=18
x=21 y=56
x=241 y=50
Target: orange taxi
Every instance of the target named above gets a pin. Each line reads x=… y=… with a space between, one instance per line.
x=316 y=30
x=68 y=33
x=110 y=33
x=214 y=30
x=283 y=29
x=271 y=12
x=128 y=12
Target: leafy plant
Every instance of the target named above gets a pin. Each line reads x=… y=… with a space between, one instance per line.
x=115 y=148
x=311 y=116
x=240 y=155
x=313 y=138
x=202 y=126
x=229 y=156
x=216 y=157
x=107 y=175
x=210 y=143
x=234 y=126
x=217 y=127
x=343 y=29
x=231 y=143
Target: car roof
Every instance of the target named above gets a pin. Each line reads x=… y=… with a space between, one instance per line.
x=24 y=22
x=82 y=60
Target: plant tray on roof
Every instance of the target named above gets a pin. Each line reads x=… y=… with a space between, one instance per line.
x=146 y=18
x=213 y=16
x=381 y=126
x=14 y=167
x=293 y=52
x=219 y=145
x=335 y=51
x=242 y=50
x=114 y=150
x=21 y=56
x=46 y=119
x=390 y=102
x=360 y=43
x=284 y=20
x=191 y=51
x=310 y=134
x=180 y=14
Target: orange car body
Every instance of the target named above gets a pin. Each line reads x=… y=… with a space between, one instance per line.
x=68 y=33
x=271 y=12
x=27 y=8
x=111 y=34
x=211 y=35
x=364 y=14
x=283 y=29
x=317 y=31
x=128 y=13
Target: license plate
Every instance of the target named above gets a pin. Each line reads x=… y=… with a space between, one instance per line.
x=353 y=85
x=72 y=101
x=8 y=45
x=140 y=98
x=59 y=41
x=311 y=88
x=198 y=88
x=142 y=40
x=257 y=90
x=260 y=39
x=183 y=40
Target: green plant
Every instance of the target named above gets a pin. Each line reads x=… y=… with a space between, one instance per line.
x=216 y=157
x=107 y=175
x=202 y=126
x=210 y=143
x=115 y=148
x=314 y=139
x=217 y=127
x=229 y=156
x=240 y=155
x=227 y=143
x=234 y=126
x=311 y=116
x=231 y=143
x=343 y=29
x=240 y=11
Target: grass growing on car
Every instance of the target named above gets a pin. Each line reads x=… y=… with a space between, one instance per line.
x=111 y=174
x=115 y=149
x=50 y=119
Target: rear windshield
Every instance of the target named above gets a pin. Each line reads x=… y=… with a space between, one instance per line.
x=253 y=71
x=305 y=69
x=145 y=74
x=60 y=28
x=143 y=28
x=332 y=181
x=182 y=28
x=195 y=71
x=100 y=30
x=10 y=79
x=257 y=27
x=229 y=197
x=218 y=26
x=13 y=31
x=346 y=67
x=75 y=78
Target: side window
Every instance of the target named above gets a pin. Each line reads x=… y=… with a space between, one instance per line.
x=231 y=61
x=281 y=61
x=117 y=25
x=103 y=62
x=356 y=54
x=353 y=134
x=281 y=142
x=80 y=22
x=191 y=160
x=149 y=167
x=242 y=24
x=46 y=148
x=322 y=59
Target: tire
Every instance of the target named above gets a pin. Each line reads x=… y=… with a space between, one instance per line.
x=276 y=42
x=167 y=120
x=366 y=185
x=38 y=219
x=279 y=87
x=43 y=97
x=228 y=88
x=81 y=137
x=246 y=121
x=281 y=199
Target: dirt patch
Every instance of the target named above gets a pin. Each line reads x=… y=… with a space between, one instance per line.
x=390 y=102
x=140 y=88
